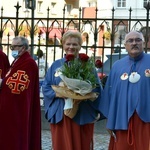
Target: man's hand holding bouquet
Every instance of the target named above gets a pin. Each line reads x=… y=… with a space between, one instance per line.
x=78 y=80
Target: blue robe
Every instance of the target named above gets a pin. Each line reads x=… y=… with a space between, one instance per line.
x=121 y=98
x=54 y=107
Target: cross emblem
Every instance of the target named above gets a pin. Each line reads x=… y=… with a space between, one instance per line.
x=18 y=82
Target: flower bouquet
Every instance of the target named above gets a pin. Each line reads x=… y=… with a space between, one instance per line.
x=78 y=79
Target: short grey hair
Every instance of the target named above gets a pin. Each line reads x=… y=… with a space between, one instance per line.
x=141 y=34
x=24 y=41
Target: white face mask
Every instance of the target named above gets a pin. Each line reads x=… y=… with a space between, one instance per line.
x=14 y=53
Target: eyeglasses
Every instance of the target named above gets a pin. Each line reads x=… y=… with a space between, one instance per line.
x=14 y=46
x=137 y=40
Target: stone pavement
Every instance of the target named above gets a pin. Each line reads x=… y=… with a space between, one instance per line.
x=100 y=140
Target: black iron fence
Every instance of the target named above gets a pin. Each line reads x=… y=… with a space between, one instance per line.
x=106 y=34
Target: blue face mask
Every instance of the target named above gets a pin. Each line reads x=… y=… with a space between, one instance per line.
x=14 y=53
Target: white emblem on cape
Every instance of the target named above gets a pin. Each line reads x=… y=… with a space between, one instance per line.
x=56 y=74
x=124 y=76
x=134 y=77
x=147 y=72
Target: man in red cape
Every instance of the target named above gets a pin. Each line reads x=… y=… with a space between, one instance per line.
x=20 y=118
x=4 y=63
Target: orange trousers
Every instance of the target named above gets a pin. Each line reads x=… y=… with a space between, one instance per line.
x=137 y=137
x=67 y=135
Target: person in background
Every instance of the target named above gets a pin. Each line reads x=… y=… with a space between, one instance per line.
x=41 y=62
x=4 y=63
x=125 y=101
x=69 y=133
x=20 y=117
x=34 y=56
x=85 y=39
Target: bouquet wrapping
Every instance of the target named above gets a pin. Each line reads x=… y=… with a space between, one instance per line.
x=77 y=85
x=78 y=82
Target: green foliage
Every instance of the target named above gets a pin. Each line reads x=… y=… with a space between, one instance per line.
x=80 y=69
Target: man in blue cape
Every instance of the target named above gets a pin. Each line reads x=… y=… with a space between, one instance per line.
x=126 y=98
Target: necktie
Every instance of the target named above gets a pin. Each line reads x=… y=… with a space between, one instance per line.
x=133 y=69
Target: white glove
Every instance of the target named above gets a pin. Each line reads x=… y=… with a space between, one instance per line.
x=1 y=82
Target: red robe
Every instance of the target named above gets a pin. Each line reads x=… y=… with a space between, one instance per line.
x=4 y=64
x=20 y=118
